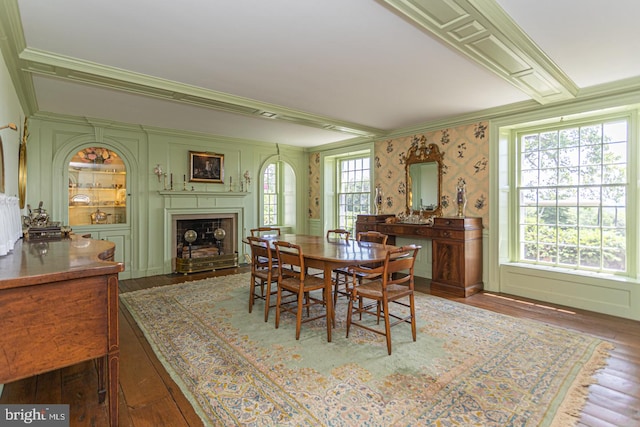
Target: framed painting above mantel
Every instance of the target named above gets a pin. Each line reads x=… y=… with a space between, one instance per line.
x=206 y=167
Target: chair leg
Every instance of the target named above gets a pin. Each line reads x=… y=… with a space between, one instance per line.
x=252 y=290
x=278 y=302
x=413 y=316
x=267 y=300
x=349 y=309
x=387 y=326
x=302 y=296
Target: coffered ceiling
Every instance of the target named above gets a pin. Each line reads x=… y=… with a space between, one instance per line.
x=313 y=72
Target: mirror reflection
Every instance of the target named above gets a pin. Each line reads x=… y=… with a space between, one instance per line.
x=423 y=166
x=424 y=189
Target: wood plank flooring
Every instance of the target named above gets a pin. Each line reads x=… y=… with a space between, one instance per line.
x=148 y=397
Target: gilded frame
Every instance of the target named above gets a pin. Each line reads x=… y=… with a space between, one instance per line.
x=206 y=167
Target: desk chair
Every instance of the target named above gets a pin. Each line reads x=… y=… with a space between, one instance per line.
x=383 y=289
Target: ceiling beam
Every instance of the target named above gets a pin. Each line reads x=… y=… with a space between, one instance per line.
x=482 y=31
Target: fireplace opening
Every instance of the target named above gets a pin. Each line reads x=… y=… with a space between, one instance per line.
x=205 y=242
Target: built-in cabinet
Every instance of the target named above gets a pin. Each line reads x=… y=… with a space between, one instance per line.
x=456 y=247
x=97 y=189
x=97 y=199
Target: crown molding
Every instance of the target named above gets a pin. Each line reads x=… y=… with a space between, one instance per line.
x=152 y=130
x=46 y=63
x=482 y=31
x=11 y=42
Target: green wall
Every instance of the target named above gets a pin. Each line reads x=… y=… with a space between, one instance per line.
x=54 y=139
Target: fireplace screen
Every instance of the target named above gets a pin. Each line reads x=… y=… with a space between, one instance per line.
x=205 y=244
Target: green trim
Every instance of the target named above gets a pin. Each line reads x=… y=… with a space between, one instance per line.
x=11 y=43
x=486 y=34
x=46 y=63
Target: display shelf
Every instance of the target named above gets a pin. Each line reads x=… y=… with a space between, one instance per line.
x=97 y=191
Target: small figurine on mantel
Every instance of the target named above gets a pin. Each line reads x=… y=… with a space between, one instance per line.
x=461 y=196
x=247 y=180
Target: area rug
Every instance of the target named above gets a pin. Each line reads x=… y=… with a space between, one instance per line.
x=468 y=367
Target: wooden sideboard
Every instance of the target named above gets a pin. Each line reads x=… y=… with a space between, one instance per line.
x=456 y=245
x=59 y=307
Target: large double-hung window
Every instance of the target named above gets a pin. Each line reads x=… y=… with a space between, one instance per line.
x=572 y=195
x=354 y=190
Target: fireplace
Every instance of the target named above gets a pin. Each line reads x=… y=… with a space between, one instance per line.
x=204 y=242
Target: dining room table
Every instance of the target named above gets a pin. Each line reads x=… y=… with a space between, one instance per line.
x=327 y=254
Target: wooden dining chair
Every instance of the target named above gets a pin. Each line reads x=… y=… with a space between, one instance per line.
x=338 y=234
x=265 y=231
x=292 y=277
x=273 y=232
x=264 y=272
x=390 y=284
x=342 y=274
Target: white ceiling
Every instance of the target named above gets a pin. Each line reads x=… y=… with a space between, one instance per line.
x=354 y=64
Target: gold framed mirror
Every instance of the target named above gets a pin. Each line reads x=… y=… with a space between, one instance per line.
x=22 y=166
x=423 y=171
x=1 y=167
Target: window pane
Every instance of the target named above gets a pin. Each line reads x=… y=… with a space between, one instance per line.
x=270 y=195
x=354 y=192
x=573 y=195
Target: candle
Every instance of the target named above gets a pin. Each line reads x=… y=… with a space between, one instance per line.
x=230 y=179
x=171 y=180
x=184 y=178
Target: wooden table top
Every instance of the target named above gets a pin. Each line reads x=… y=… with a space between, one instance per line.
x=350 y=251
x=37 y=262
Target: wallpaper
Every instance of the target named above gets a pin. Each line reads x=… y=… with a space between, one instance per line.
x=314 y=186
x=466 y=156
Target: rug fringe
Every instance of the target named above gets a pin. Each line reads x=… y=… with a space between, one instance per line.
x=570 y=409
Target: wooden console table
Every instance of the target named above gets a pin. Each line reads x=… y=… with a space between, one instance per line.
x=457 y=250
x=59 y=307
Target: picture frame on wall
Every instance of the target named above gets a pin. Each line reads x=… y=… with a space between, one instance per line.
x=206 y=167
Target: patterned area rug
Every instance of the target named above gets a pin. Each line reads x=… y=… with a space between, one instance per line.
x=468 y=367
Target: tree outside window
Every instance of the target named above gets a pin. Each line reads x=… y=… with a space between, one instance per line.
x=573 y=196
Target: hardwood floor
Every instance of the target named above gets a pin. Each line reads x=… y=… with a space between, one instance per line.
x=149 y=397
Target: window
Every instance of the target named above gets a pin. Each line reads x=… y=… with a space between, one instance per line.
x=270 y=196
x=354 y=190
x=278 y=194
x=572 y=196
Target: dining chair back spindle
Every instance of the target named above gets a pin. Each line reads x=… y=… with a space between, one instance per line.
x=292 y=277
x=391 y=283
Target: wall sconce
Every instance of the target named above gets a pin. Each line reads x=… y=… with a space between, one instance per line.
x=11 y=126
x=158 y=171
